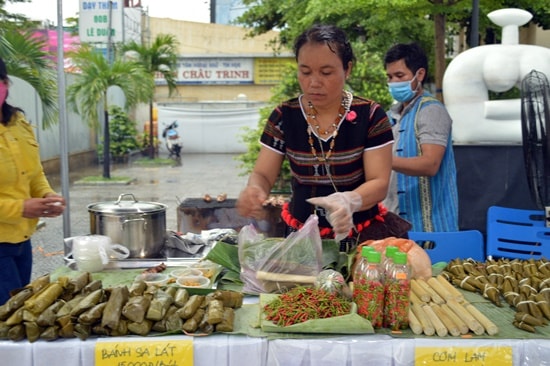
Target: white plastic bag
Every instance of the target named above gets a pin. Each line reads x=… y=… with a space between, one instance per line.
x=274 y=265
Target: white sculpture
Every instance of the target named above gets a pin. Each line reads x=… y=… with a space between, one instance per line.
x=497 y=67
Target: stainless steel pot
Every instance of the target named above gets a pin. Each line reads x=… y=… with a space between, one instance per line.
x=139 y=226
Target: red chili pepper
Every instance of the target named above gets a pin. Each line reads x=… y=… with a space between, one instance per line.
x=305 y=303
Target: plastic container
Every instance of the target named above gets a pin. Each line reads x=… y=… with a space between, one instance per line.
x=388 y=260
x=89 y=252
x=368 y=288
x=208 y=269
x=397 y=294
x=156 y=279
x=186 y=271
x=193 y=282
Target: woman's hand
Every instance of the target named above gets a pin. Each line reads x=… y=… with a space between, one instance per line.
x=52 y=205
x=340 y=207
x=250 y=202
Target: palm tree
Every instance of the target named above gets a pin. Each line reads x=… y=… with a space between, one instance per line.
x=26 y=59
x=160 y=58
x=94 y=78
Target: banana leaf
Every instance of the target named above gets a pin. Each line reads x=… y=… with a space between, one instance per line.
x=117 y=299
x=47 y=296
x=48 y=316
x=136 y=308
x=92 y=315
x=352 y=323
x=32 y=331
x=51 y=333
x=121 y=330
x=226 y=255
x=15 y=302
x=4 y=328
x=17 y=332
x=141 y=329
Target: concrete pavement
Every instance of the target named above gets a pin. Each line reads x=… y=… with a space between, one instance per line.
x=199 y=174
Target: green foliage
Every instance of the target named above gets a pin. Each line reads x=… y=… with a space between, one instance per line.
x=160 y=57
x=25 y=58
x=286 y=89
x=368 y=77
x=97 y=74
x=123 y=134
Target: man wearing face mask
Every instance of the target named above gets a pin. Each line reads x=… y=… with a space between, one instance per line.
x=423 y=182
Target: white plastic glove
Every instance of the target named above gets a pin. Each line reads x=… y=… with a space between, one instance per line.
x=340 y=207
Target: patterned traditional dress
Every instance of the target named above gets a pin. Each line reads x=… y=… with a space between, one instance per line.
x=286 y=132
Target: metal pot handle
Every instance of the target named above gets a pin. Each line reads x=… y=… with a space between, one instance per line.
x=125 y=194
x=131 y=221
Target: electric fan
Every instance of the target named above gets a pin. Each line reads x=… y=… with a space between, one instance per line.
x=535 y=128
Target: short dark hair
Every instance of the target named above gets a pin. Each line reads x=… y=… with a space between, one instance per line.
x=414 y=56
x=334 y=37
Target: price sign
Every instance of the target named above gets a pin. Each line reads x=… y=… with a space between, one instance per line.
x=471 y=356
x=144 y=353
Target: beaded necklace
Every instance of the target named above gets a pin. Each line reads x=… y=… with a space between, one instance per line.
x=311 y=117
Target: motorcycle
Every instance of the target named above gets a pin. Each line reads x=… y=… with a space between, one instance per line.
x=172 y=140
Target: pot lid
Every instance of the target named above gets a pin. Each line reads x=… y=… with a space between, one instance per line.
x=126 y=206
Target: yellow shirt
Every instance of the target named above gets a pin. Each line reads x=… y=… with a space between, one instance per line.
x=21 y=177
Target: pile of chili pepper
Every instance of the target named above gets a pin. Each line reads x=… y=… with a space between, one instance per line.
x=305 y=303
x=369 y=297
x=396 y=307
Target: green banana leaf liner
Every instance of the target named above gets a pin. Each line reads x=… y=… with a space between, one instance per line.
x=352 y=323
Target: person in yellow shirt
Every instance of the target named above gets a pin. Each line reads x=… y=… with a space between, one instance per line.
x=25 y=194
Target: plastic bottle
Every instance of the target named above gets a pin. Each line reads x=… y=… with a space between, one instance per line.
x=397 y=289
x=368 y=288
x=388 y=260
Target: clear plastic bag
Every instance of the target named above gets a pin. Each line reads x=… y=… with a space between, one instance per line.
x=274 y=265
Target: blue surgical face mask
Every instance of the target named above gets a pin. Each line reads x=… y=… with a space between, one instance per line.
x=402 y=90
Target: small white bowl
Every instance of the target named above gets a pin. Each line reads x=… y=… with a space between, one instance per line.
x=185 y=272
x=208 y=269
x=193 y=281
x=157 y=279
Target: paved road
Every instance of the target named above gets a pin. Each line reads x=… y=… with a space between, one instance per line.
x=199 y=174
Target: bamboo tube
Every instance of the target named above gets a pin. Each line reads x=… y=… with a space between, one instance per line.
x=414 y=323
x=419 y=290
x=446 y=320
x=438 y=287
x=462 y=313
x=427 y=326
x=433 y=295
x=462 y=326
x=440 y=328
x=457 y=295
x=489 y=326
x=415 y=299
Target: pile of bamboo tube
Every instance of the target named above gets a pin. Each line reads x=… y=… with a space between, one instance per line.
x=437 y=307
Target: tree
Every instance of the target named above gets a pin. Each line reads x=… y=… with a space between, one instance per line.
x=26 y=59
x=95 y=76
x=379 y=24
x=158 y=59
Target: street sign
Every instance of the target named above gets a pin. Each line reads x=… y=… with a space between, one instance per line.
x=101 y=21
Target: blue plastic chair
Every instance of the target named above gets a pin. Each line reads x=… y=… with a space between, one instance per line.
x=446 y=246
x=517 y=233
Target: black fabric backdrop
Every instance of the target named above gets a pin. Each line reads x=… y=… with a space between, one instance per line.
x=489 y=175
